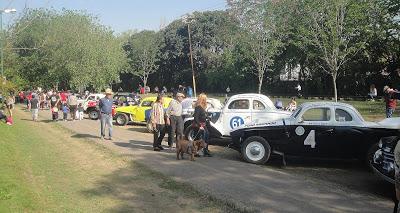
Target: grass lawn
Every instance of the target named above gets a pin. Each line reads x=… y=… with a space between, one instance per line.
x=43 y=169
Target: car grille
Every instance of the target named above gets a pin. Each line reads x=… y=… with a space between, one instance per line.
x=387 y=161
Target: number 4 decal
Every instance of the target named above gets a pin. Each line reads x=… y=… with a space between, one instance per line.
x=310 y=139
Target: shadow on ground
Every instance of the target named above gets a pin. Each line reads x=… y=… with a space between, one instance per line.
x=84 y=136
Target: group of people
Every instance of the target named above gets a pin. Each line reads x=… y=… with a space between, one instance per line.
x=292 y=105
x=171 y=120
x=62 y=101
x=186 y=90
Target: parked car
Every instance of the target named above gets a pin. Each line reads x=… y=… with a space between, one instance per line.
x=90 y=105
x=137 y=114
x=126 y=99
x=213 y=106
x=316 y=129
x=239 y=110
x=382 y=161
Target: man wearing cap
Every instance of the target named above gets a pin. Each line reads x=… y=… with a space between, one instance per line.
x=174 y=114
x=105 y=105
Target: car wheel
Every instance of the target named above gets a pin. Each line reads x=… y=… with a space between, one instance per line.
x=121 y=119
x=192 y=133
x=256 y=150
x=93 y=114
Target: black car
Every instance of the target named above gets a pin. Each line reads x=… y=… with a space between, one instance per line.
x=316 y=129
x=383 y=159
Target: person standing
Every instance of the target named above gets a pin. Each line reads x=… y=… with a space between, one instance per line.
x=10 y=101
x=65 y=111
x=80 y=112
x=372 y=92
x=54 y=101
x=73 y=104
x=35 y=108
x=389 y=100
x=158 y=121
x=200 y=119
x=174 y=119
x=105 y=105
x=298 y=88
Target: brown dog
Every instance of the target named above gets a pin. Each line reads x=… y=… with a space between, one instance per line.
x=188 y=147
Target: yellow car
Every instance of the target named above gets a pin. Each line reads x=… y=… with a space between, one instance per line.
x=139 y=113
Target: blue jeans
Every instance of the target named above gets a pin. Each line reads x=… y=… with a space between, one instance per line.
x=389 y=112
x=106 y=120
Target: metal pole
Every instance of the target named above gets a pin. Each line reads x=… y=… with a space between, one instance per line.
x=191 y=61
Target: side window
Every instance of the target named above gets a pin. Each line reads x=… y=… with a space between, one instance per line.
x=257 y=105
x=317 y=114
x=147 y=103
x=342 y=116
x=239 y=104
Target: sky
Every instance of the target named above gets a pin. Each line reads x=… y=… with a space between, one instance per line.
x=120 y=15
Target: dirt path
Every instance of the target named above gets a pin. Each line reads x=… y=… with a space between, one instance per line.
x=254 y=187
x=48 y=169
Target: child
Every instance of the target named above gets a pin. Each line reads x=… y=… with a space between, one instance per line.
x=65 y=110
x=80 y=112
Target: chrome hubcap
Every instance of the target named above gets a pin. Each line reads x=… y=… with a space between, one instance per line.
x=255 y=151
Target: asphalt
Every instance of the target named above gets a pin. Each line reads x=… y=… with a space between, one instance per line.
x=252 y=187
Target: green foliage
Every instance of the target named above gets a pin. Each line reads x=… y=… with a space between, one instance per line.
x=69 y=49
x=143 y=52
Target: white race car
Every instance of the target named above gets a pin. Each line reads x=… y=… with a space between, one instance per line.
x=239 y=110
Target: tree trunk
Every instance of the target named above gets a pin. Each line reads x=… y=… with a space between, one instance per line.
x=260 y=81
x=334 y=87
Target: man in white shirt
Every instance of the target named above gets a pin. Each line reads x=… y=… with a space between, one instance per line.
x=174 y=114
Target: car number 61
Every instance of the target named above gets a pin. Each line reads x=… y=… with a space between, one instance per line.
x=236 y=122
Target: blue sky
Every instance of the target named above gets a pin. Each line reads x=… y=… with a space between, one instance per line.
x=121 y=15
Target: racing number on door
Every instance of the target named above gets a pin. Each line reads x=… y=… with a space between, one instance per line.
x=236 y=122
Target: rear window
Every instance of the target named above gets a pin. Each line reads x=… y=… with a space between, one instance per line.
x=342 y=116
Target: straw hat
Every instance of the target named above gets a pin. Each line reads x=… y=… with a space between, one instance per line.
x=108 y=91
x=385 y=88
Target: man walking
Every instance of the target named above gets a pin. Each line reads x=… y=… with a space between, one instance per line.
x=105 y=105
x=73 y=105
x=174 y=114
x=390 y=100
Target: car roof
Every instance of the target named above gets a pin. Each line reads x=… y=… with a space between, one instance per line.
x=249 y=95
x=325 y=104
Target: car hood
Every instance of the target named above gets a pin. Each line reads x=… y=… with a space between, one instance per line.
x=388 y=123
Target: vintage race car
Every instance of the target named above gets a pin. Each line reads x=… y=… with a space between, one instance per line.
x=239 y=110
x=315 y=129
x=137 y=114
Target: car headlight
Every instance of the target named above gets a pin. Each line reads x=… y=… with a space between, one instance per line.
x=378 y=157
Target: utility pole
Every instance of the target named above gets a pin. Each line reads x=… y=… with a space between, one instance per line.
x=186 y=19
x=191 y=61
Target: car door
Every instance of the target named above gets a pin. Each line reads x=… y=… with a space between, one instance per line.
x=347 y=138
x=237 y=113
x=312 y=130
x=140 y=111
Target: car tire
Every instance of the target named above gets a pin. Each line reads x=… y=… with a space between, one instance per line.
x=93 y=114
x=192 y=133
x=121 y=119
x=256 y=149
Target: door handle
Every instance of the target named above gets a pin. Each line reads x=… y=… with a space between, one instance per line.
x=329 y=130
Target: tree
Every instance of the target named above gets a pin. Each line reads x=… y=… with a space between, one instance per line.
x=262 y=31
x=143 y=50
x=333 y=28
x=68 y=48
